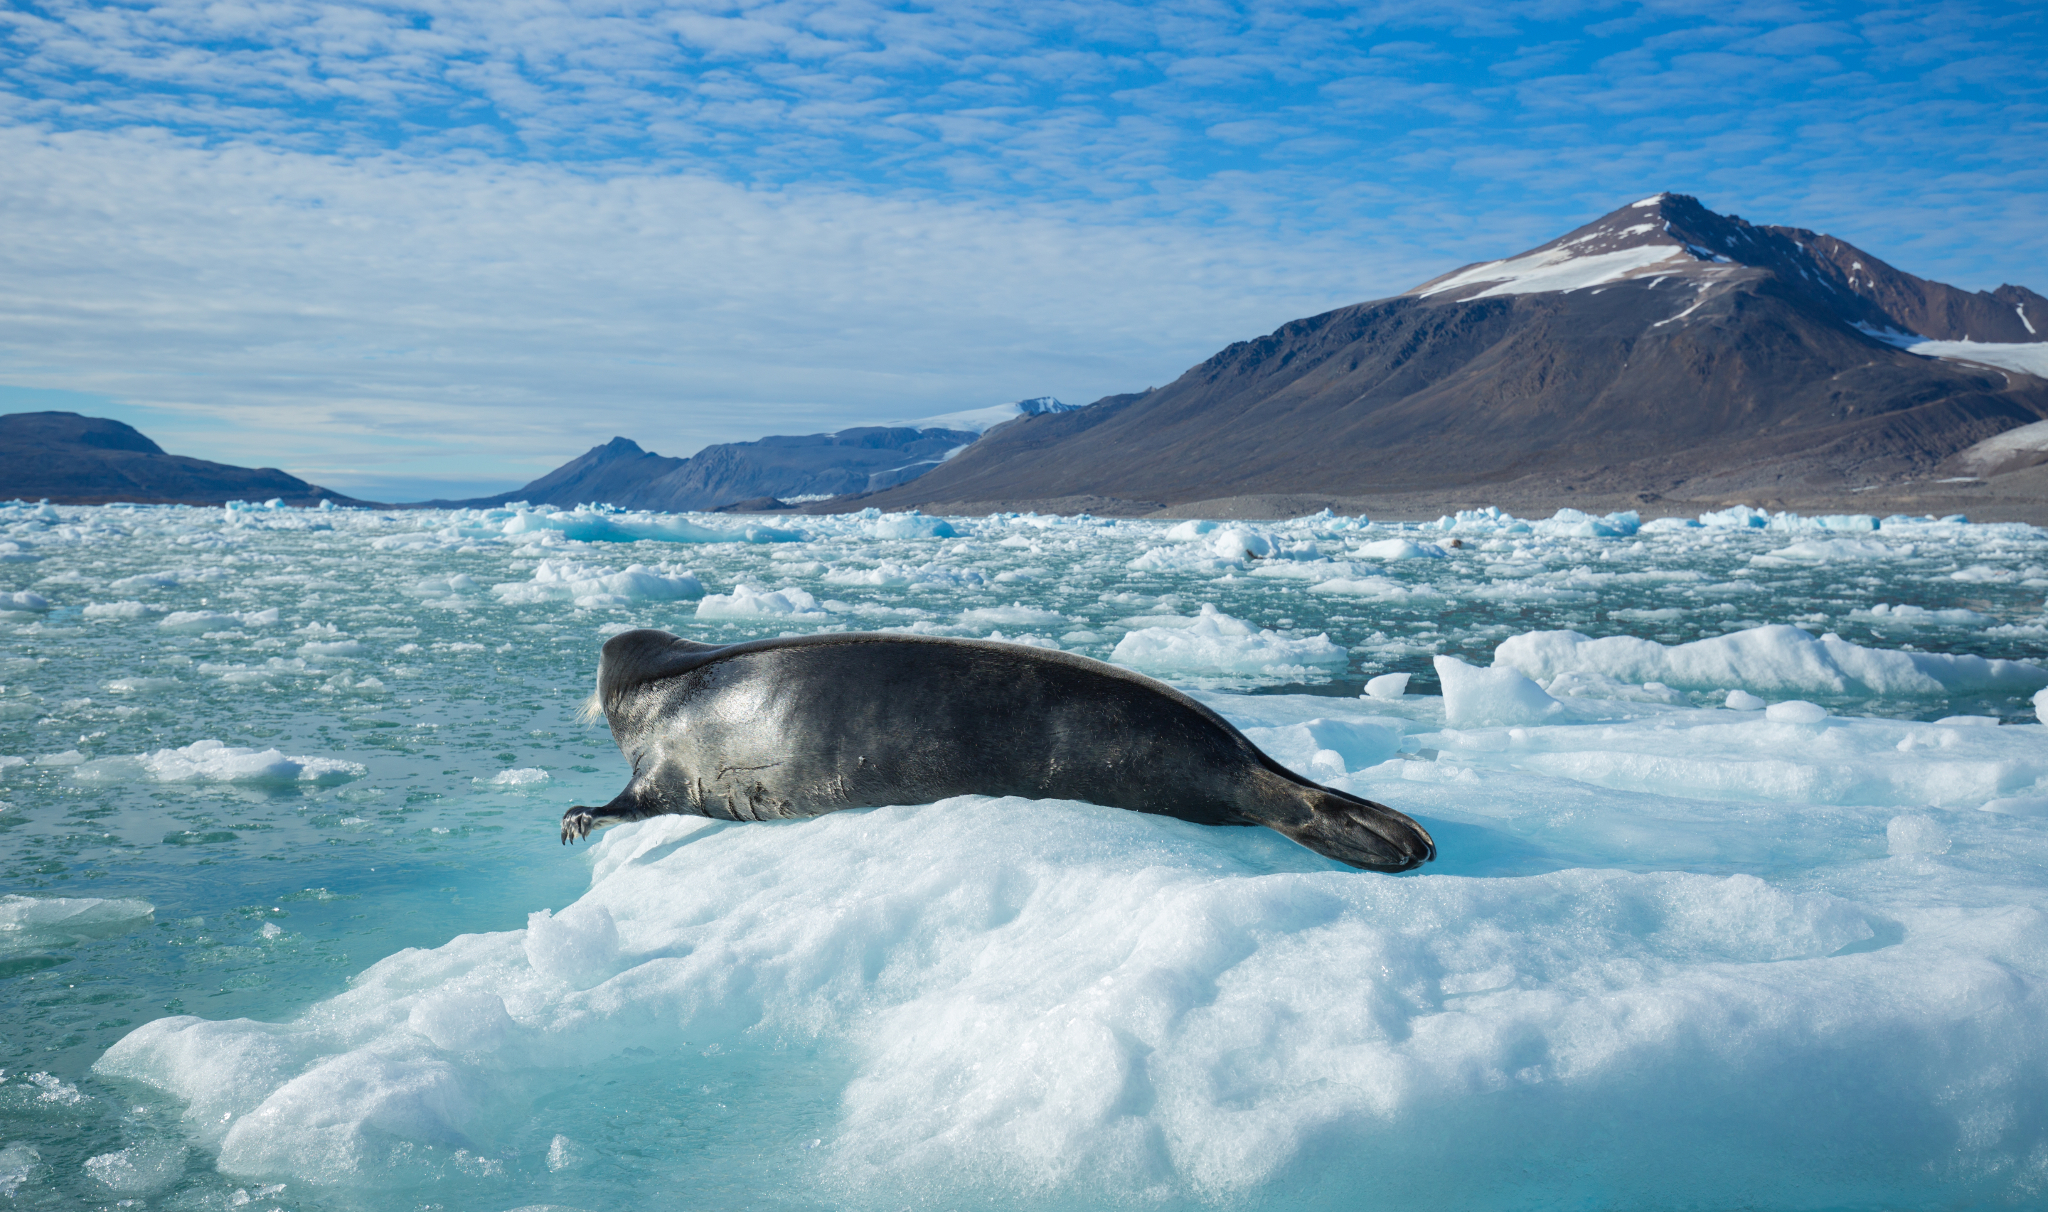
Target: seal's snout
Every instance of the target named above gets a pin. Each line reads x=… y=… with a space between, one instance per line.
x=1362 y=833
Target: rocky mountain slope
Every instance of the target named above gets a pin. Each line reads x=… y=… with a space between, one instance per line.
x=865 y=459
x=1661 y=350
x=79 y=460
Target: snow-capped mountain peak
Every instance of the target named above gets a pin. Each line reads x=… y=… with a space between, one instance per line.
x=1671 y=240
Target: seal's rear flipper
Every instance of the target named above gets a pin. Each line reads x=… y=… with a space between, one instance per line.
x=1360 y=832
x=632 y=658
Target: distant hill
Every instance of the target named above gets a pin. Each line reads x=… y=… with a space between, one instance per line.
x=865 y=459
x=80 y=460
x=1662 y=350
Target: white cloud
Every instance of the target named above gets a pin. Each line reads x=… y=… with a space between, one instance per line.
x=516 y=313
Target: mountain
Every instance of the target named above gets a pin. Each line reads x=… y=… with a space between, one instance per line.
x=865 y=459
x=1661 y=350
x=79 y=460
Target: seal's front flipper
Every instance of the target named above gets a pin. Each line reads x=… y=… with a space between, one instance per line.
x=580 y=822
x=1360 y=832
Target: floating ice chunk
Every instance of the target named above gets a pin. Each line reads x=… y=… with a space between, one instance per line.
x=1830 y=551
x=1191 y=530
x=2040 y=702
x=1239 y=543
x=525 y=776
x=891 y=574
x=146 y=580
x=1017 y=615
x=747 y=601
x=462 y=1020
x=1305 y=569
x=17 y=1165
x=1743 y=700
x=142 y=685
x=28 y=921
x=1215 y=645
x=936 y=951
x=1490 y=520
x=1984 y=574
x=1174 y=559
x=596 y=525
x=448 y=538
x=1573 y=523
x=1382 y=589
x=1399 y=549
x=1224 y=547
x=210 y=761
x=563 y=1154
x=330 y=648
x=1914 y=834
x=1736 y=517
x=600 y=585
x=213 y=620
x=1661 y=525
x=24 y=602
x=344 y=683
x=120 y=610
x=139 y=1169
x=1918 y=616
x=911 y=525
x=579 y=948
x=450 y=586
x=1775 y=658
x=1387 y=686
x=1796 y=711
x=270 y=670
x=168 y=579
x=1029 y=641
x=1580 y=685
x=1500 y=696
x=1327 y=748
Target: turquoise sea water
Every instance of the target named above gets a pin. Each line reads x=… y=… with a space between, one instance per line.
x=254 y=756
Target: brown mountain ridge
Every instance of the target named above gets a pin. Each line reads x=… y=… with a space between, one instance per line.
x=1661 y=351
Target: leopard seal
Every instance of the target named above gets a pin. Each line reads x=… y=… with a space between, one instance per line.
x=804 y=725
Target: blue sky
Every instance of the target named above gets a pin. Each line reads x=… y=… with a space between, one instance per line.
x=407 y=248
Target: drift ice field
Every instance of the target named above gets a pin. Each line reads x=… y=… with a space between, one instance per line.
x=1742 y=896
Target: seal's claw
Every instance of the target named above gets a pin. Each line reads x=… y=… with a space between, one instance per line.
x=576 y=825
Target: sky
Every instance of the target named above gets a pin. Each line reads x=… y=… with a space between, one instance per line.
x=436 y=248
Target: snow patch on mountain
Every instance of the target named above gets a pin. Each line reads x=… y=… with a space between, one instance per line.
x=2029 y=358
x=981 y=420
x=1558 y=269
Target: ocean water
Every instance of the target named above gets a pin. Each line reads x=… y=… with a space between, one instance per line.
x=1740 y=897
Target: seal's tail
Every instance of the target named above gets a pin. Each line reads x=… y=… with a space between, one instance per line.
x=1359 y=832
